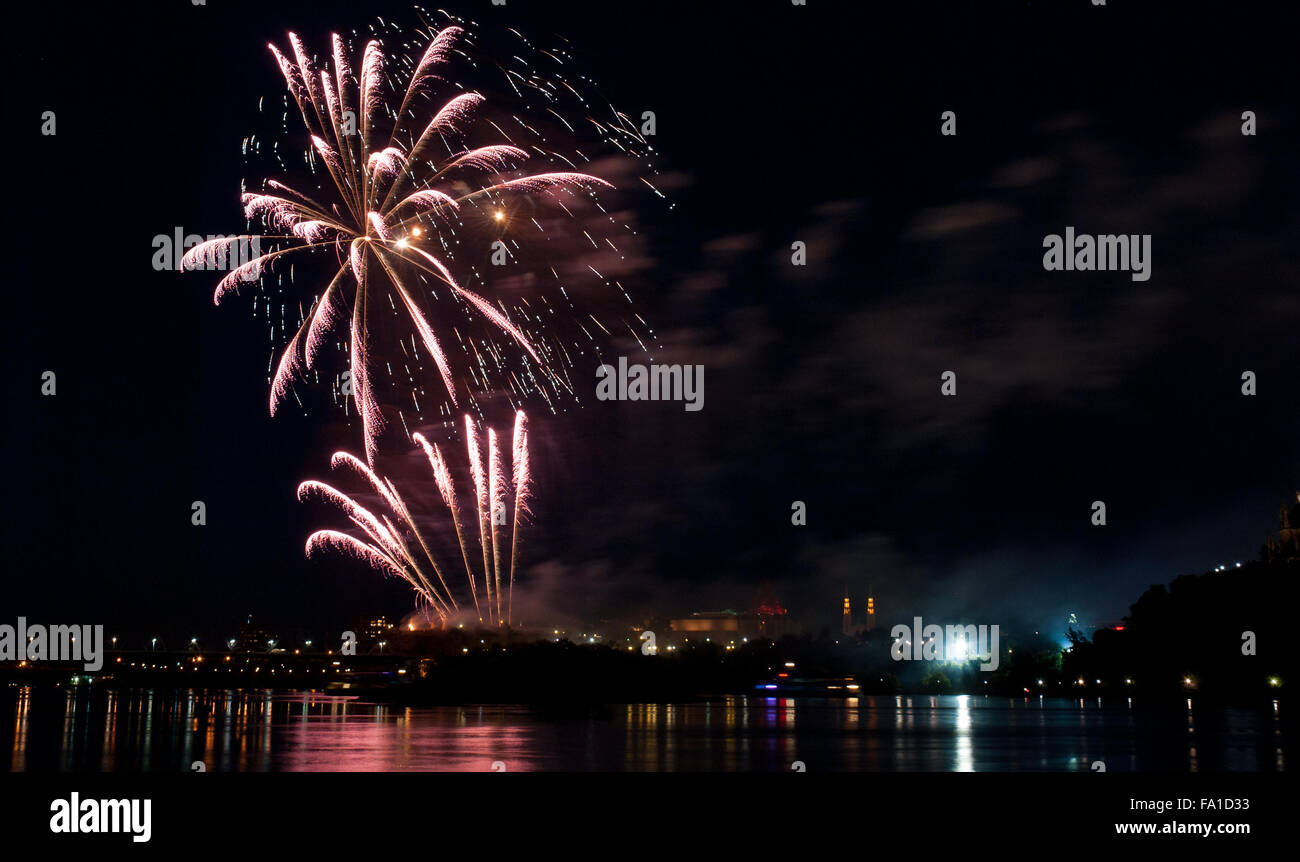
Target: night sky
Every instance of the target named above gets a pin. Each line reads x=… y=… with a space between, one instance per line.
x=775 y=124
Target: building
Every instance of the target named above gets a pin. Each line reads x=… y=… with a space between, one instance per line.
x=255 y=637
x=371 y=632
x=768 y=619
x=1284 y=545
x=866 y=621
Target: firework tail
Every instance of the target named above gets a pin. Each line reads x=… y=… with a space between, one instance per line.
x=480 y=499
x=424 y=546
x=496 y=509
x=442 y=476
x=389 y=548
x=519 y=463
x=389 y=537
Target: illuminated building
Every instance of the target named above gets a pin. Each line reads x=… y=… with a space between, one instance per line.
x=373 y=630
x=1284 y=545
x=768 y=619
x=709 y=622
x=846 y=621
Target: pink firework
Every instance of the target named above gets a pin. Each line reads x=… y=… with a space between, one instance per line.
x=522 y=481
x=395 y=541
x=401 y=179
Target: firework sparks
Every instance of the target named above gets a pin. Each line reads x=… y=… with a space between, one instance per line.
x=496 y=509
x=394 y=542
x=480 y=499
x=522 y=482
x=399 y=182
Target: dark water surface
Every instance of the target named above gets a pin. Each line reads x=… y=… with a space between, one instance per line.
x=56 y=729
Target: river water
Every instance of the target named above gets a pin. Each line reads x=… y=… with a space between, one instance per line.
x=59 y=729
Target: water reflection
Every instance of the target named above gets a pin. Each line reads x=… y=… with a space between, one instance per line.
x=84 y=729
x=965 y=751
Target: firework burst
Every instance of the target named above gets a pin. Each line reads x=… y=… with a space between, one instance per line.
x=394 y=543
x=399 y=184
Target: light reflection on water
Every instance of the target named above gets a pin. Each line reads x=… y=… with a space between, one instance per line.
x=144 y=730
